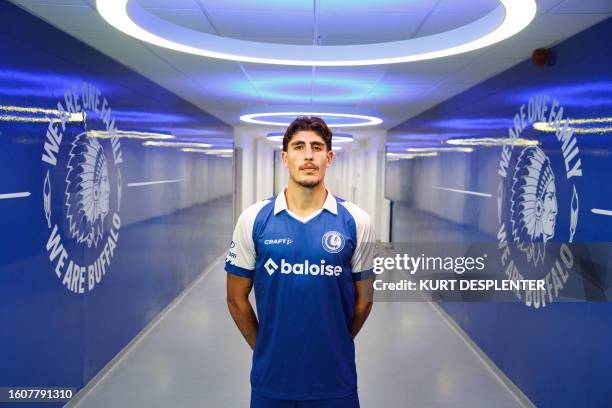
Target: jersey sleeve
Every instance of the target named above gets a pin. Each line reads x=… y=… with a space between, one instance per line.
x=240 y=258
x=362 y=261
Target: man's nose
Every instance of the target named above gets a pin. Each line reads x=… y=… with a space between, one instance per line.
x=308 y=152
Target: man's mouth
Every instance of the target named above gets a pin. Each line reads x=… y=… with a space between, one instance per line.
x=308 y=167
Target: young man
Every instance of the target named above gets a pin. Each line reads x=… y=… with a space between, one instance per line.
x=309 y=256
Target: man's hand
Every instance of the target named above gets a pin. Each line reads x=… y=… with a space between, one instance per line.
x=238 y=289
x=364 y=294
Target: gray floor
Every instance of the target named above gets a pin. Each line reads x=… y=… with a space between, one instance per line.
x=408 y=356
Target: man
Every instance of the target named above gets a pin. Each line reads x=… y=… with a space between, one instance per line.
x=307 y=254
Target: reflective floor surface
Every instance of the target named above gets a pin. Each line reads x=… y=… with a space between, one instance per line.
x=407 y=356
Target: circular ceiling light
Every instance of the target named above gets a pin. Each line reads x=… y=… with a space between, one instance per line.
x=510 y=17
x=336 y=137
x=275 y=136
x=335 y=117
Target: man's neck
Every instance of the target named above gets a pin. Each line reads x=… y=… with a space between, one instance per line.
x=303 y=201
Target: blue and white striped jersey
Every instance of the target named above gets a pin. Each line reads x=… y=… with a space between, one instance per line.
x=303 y=272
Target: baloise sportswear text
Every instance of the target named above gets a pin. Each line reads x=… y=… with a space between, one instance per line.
x=303 y=273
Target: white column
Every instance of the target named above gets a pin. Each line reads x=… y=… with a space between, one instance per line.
x=264 y=169
x=358 y=175
x=244 y=165
x=255 y=165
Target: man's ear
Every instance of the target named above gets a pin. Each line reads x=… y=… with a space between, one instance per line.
x=330 y=157
x=284 y=158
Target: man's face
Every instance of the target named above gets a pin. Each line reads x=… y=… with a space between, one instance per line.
x=550 y=209
x=307 y=158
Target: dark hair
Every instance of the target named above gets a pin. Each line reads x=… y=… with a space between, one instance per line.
x=312 y=123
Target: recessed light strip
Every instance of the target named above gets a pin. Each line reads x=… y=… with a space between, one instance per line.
x=351 y=117
x=509 y=18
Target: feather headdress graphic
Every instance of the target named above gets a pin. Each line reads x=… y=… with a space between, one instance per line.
x=533 y=203
x=87 y=190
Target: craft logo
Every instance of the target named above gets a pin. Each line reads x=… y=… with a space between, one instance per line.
x=82 y=188
x=284 y=241
x=537 y=201
x=332 y=242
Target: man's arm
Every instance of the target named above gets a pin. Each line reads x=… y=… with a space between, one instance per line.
x=364 y=292
x=362 y=263
x=240 y=267
x=238 y=289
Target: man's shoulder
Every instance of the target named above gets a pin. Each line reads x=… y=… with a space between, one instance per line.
x=250 y=213
x=358 y=214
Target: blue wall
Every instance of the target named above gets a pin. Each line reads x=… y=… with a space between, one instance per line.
x=163 y=235
x=557 y=353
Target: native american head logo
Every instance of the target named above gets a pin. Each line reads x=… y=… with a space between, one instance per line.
x=533 y=203
x=87 y=190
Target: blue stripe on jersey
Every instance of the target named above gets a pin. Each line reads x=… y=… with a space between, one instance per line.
x=357 y=276
x=236 y=270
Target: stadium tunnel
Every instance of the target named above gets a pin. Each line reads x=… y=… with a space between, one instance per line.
x=131 y=141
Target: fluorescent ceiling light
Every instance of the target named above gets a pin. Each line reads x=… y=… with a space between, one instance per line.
x=509 y=18
x=342 y=138
x=191 y=150
x=36 y=114
x=492 y=141
x=209 y=151
x=128 y=134
x=398 y=156
x=220 y=151
x=351 y=117
x=176 y=144
x=439 y=149
x=546 y=127
x=275 y=137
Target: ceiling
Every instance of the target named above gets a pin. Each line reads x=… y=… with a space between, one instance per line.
x=399 y=91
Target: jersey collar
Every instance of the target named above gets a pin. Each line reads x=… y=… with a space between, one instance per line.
x=330 y=204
